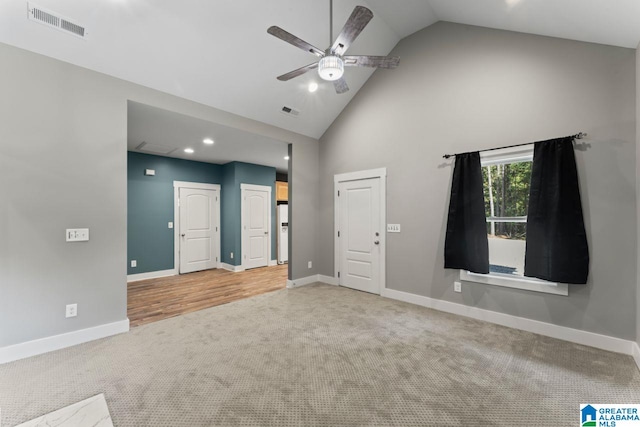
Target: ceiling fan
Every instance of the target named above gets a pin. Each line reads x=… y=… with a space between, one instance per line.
x=332 y=61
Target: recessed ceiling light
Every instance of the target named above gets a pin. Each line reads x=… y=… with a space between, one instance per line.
x=188 y=150
x=286 y=157
x=313 y=86
x=208 y=141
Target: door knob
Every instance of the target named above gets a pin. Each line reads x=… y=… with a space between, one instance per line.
x=266 y=232
x=183 y=234
x=377 y=242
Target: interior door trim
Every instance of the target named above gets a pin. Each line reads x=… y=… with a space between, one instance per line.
x=177 y=185
x=380 y=173
x=255 y=187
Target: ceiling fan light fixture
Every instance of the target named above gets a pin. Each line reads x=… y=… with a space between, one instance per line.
x=331 y=68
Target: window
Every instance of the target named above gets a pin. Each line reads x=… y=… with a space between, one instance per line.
x=506 y=175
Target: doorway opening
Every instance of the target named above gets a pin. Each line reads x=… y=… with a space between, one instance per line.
x=187 y=180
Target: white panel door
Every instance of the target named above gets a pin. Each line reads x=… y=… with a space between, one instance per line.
x=197 y=229
x=256 y=242
x=360 y=234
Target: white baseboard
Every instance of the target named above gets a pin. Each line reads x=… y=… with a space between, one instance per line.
x=151 y=275
x=636 y=354
x=577 y=336
x=296 y=283
x=57 y=342
x=304 y=281
x=229 y=267
x=329 y=280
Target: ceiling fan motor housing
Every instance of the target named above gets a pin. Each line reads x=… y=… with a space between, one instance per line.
x=331 y=67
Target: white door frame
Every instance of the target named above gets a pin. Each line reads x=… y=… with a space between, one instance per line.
x=254 y=187
x=177 y=185
x=355 y=176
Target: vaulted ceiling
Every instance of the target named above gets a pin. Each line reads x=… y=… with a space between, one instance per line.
x=219 y=53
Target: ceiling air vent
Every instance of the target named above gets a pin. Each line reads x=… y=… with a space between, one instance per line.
x=54 y=20
x=155 y=148
x=289 y=111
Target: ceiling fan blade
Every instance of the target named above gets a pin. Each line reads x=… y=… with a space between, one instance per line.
x=371 y=61
x=297 y=42
x=295 y=73
x=341 y=85
x=359 y=19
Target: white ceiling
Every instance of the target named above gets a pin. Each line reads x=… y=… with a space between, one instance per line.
x=158 y=127
x=219 y=53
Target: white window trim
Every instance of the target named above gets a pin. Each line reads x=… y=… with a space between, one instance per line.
x=525 y=283
x=502 y=156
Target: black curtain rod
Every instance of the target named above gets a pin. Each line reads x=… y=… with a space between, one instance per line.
x=576 y=136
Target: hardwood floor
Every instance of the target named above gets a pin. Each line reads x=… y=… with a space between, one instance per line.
x=156 y=299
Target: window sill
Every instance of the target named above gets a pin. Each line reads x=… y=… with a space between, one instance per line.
x=526 y=283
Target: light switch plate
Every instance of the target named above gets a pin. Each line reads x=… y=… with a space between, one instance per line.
x=77 y=234
x=149 y=172
x=457 y=287
x=134 y=263
x=393 y=228
x=171 y=225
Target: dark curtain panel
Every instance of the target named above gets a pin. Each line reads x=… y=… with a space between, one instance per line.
x=556 y=240
x=466 y=246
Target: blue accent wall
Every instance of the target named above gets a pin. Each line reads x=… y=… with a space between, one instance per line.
x=150 y=206
x=230 y=216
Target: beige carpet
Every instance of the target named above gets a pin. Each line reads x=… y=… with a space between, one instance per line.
x=327 y=356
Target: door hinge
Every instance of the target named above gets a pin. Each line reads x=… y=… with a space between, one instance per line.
x=338 y=234
x=216 y=259
x=338 y=274
x=338 y=193
x=216 y=228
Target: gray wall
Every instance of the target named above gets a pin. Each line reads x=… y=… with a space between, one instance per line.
x=462 y=88
x=63 y=159
x=303 y=210
x=638 y=190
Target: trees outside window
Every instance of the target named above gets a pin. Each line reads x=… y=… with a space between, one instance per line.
x=506 y=197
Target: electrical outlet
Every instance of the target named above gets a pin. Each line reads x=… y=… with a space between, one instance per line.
x=393 y=228
x=134 y=263
x=170 y=225
x=457 y=287
x=231 y=255
x=310 y=264
x=72 y=310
